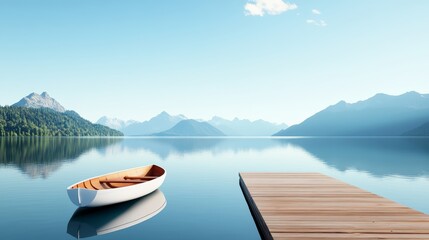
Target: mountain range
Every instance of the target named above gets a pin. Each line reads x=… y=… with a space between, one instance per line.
x=380 y=115
x=191 y=127
x=41 y=115
x=115 y=123
x=164 y=122
x=159 y=123
x=244 y=127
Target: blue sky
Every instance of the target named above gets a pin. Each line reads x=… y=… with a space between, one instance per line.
x=134 y=59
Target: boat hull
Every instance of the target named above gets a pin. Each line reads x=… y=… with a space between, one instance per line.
x=83 y=197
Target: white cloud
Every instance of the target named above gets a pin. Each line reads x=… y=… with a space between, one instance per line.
x=271 y=7
x=319 y=23
x=316 y=12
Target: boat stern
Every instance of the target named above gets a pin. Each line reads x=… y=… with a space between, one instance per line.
x=81 y=197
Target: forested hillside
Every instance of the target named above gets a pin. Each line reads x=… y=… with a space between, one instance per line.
x=21 y=121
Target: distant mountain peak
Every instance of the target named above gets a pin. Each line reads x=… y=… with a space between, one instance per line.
x=380 y=115
x=412 y=93
x=191 y=127
x=103 y=118
x=43 y=100
x=165 y=116
x=161 y=122
x=246 y=127
x=383 y=95
x=339 y=106
x=114 y=122
x=164 y=113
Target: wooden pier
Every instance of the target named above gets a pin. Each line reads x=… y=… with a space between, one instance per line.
x=314 y=206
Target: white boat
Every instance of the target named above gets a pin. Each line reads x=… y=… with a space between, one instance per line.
x=116 y=187
x=89 y=222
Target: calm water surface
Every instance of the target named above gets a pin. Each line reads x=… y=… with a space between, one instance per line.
x=201 y=193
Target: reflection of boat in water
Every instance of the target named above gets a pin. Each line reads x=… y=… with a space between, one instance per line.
x=116 y=187
x=88 y=222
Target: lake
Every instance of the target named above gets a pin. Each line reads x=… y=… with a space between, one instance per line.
x=202 y=193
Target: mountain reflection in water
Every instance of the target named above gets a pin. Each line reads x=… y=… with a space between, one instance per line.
x=378 y=156
x=40 y=156
x=165 y=147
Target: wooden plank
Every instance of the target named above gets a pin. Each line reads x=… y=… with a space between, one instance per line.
x=314 y=206
x=88 y=185
x=96 y=184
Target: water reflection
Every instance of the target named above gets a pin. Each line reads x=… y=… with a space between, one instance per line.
x=202 y=189
x=88 y=222
x=165 y=147
x=40 y=156
x=378 y=156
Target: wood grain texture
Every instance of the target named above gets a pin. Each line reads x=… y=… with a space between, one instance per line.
x=314 y=206
x=122 y=179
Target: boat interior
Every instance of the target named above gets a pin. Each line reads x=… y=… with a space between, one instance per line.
x=122 y=179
